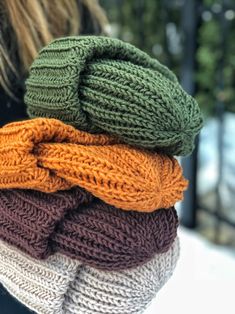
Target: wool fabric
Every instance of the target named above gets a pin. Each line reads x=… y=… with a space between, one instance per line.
x=60 y=285
x=103 y=84
x=84 y=228
x=48 y=155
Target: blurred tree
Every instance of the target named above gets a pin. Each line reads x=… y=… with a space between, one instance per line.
x=209 y=55
x=155 y=26
x=148 y=25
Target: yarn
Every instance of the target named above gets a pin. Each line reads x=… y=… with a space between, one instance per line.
x=60 y=285
x=100 y=84
x=48 y=155
x=84 y=228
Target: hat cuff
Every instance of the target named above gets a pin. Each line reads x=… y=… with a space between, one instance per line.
x=58 y=285
x=41 y=286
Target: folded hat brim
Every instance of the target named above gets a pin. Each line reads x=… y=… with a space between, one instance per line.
x=60 y=285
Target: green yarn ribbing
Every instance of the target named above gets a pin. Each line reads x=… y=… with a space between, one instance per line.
x=100 y=84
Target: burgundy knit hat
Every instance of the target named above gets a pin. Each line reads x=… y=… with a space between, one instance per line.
x=78 y=225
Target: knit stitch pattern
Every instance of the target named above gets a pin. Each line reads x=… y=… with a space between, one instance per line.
x=60 y=285
x=102 y=84
x=48 y=155
x=84 y=228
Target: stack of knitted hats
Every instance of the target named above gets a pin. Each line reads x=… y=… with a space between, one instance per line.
x=88 y=184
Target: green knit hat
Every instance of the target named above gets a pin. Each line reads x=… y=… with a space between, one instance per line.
x=100 y=84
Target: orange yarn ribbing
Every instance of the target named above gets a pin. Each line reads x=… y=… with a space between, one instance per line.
x=48 y=155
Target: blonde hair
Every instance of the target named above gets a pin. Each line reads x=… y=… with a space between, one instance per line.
x=32 y=24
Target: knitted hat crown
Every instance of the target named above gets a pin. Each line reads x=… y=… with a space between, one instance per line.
x=84 y=228
x=60 y=285
x=100 y=84
x=48 y=155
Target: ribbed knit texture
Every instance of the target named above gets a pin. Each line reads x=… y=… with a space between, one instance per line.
x=108 y=238
x=62 y=286
x=103 y=84
x=72 y=223
x=48 y=155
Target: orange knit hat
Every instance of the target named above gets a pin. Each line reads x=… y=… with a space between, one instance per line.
x=48 y=155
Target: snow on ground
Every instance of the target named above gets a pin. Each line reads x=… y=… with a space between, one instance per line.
x=203 y=281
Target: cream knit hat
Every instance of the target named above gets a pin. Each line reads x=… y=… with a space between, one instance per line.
x=65 y=286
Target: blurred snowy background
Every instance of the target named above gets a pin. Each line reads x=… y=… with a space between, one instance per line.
x=208 y=177
x=203 y=281
x=209 y=164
